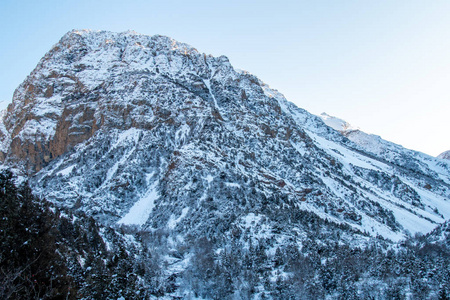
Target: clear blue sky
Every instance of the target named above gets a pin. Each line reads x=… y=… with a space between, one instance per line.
x=381 y=65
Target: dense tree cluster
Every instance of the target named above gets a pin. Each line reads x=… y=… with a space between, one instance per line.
x=315 y=271
x=45 y=254
x=30 y=264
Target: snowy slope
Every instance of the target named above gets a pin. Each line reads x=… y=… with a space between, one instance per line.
x=411 y=160
x=146 y=131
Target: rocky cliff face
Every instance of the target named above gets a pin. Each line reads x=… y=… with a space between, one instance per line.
x=145 y=131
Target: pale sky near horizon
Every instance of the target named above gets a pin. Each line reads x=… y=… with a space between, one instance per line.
x=383 y=66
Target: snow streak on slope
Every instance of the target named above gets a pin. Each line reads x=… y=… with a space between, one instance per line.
x=142 y=209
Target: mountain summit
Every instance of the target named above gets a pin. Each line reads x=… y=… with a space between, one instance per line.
x=444 y=155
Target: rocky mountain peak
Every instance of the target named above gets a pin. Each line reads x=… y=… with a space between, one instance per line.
x=81 y=84
x=444 y=155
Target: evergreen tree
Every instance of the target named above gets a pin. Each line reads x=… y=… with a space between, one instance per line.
x=30 y=265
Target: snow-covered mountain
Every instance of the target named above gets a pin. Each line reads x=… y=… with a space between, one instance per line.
x=147 y=131
x=444 y=155
x=217 y=185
